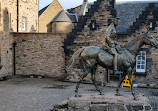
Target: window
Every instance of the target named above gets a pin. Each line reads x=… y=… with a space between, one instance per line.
x=23 y=23
x=93 y=25
x=35 y=25
x=151 y=25
x=141 y=62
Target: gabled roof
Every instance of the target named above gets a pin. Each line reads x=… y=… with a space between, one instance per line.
x=73 y=17
x=53 y=5
x=65 y=17
x=42 y=10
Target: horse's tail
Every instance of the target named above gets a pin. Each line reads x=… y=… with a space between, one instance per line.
x=75 y=56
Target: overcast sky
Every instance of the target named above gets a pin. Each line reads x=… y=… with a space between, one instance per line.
x=73 y=3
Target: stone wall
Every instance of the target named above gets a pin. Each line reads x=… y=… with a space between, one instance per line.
x=62 y=27
x=39 y=54
x=6 y=46
x=28 y=9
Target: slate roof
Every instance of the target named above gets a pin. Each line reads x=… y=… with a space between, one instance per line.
x=129 y=12
x=72 y=17
x=42 y=10
x=75 y=10
x=156 y=4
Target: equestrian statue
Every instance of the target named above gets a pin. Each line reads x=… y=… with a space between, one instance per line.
x=112 y=56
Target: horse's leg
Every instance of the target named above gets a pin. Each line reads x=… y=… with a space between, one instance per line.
x=93 y=72
x=86 y=71
x=117 y=90
x=131 y=82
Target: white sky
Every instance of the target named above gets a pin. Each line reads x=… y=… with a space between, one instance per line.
x=73 y=3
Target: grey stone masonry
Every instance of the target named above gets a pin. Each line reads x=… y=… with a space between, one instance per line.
x=39 y=54
x=128 y=13
x=107 y=102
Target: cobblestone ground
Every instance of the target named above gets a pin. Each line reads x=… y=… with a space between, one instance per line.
x=31 y=94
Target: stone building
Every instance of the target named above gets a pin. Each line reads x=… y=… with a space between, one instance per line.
x=23 y=15
x=134 y=17
x=49 y=54
x=47 y=14
x=15 y=16
x=64 y=22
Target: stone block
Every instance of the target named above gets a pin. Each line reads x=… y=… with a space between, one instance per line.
x=138 y=107
x=108 y=102
x=78 y=104
x=99 y=107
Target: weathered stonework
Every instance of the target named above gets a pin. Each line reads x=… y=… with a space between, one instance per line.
x=62 y=27
x=44 y=54
x=8 y=23
x=6 y=46
x=39 y=54
x=107 y=102
x=28 y=9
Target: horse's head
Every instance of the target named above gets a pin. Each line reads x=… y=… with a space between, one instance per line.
x=150 y=40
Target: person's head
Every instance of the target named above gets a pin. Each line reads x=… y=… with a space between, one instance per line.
x=115 y=21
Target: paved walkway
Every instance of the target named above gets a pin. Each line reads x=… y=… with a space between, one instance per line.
x=32 y=94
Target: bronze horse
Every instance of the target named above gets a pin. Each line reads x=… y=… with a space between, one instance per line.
x=92 y=56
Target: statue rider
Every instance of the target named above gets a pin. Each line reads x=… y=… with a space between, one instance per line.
x=111 y=46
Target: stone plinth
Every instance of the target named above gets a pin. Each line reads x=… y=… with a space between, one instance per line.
x=107 y=102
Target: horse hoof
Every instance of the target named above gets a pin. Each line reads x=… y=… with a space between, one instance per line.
x=118 y=94
x=136 y=98
x=77 y=95
x=101 y=93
